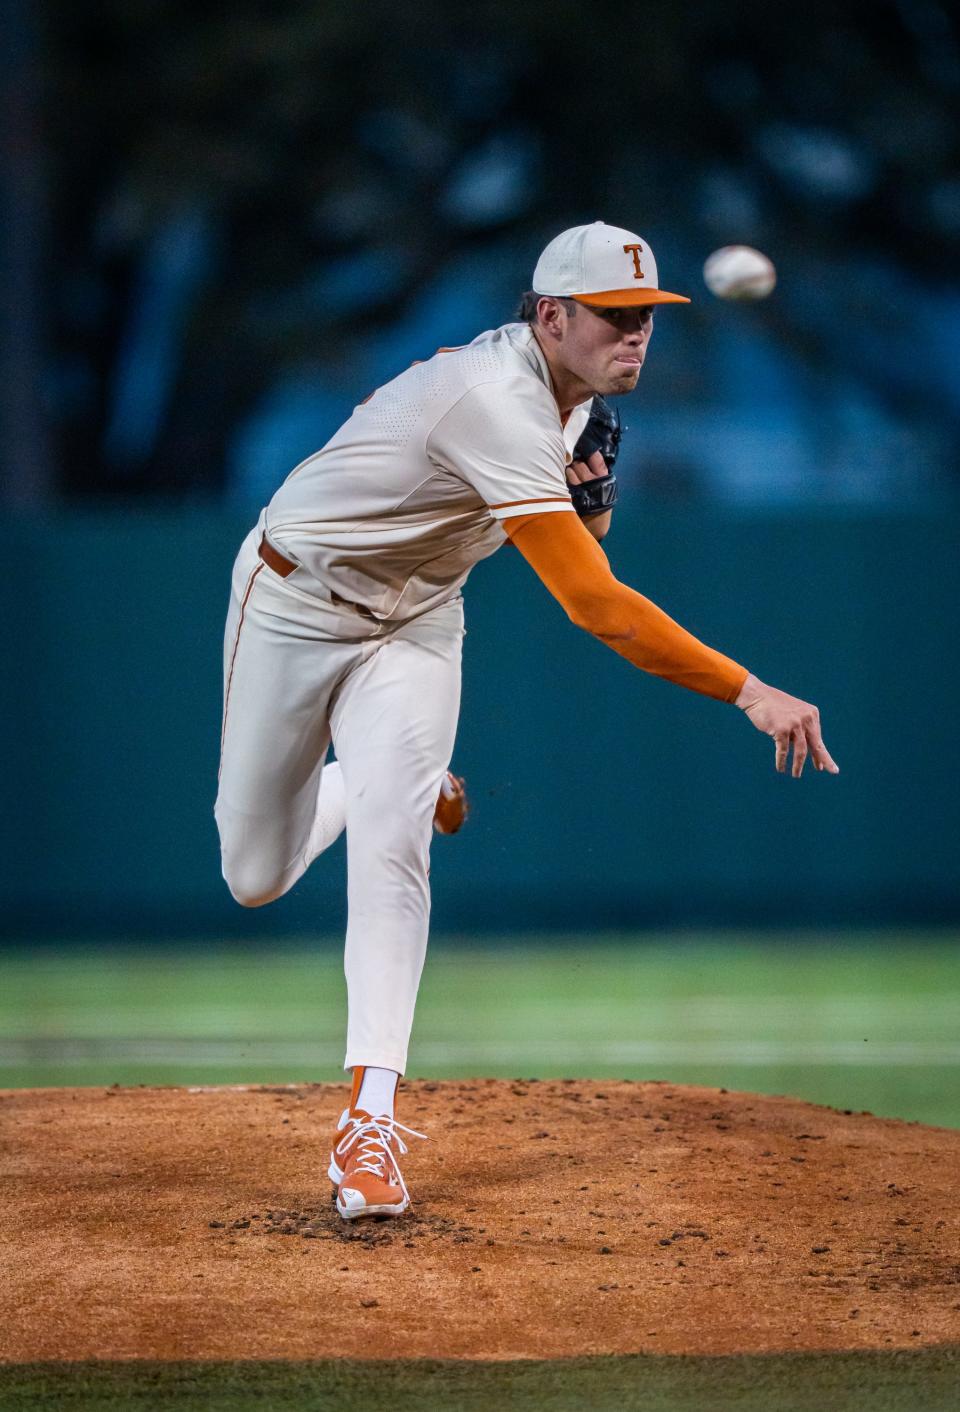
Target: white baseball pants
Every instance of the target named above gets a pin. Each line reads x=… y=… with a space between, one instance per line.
x=298 y=672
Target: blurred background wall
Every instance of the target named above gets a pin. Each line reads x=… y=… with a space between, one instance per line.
x=221 y=228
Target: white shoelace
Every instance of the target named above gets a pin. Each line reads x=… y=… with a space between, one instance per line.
x=372 y=1138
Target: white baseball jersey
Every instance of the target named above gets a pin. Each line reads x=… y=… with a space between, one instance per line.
x=395 y=510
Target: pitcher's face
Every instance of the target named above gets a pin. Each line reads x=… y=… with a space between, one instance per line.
x=603 y=348
x=606 y=347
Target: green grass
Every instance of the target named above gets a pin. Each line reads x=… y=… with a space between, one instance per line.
x=925 y=1381
x=857 y=1021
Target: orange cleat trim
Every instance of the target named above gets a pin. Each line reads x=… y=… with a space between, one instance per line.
x=453 y=807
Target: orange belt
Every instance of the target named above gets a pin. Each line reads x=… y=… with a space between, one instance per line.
x=274 y=560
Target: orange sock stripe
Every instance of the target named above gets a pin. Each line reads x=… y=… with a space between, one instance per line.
x=358 y=1073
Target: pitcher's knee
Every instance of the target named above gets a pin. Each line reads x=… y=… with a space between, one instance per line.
x=251 y=883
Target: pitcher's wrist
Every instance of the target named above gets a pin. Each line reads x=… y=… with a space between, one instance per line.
x=749 y=692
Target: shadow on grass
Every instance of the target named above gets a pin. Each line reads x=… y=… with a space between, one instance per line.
x=927 y=1380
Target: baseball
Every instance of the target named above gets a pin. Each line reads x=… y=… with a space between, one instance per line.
x=739 y=272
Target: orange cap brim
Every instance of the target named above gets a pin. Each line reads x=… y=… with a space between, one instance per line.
x=629 y=298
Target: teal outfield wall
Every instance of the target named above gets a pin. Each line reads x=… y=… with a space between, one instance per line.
x=601 y=797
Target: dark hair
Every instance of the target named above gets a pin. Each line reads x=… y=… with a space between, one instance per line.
x=527 y=311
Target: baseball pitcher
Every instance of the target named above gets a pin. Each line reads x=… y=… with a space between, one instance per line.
x=346 y=620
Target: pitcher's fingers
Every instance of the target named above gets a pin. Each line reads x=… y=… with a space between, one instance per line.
x=783 y=750
x=799 y=751
x=598 y=466
x=577 y=473
x=824 y=759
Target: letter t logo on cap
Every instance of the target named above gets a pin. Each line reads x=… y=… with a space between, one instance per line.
x=634 y=250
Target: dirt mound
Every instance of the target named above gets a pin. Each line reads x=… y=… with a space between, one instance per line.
x=550 y=1219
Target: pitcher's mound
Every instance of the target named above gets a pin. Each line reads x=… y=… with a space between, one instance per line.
x=549 y=1219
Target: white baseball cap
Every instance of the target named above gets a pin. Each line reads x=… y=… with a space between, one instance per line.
x=602 y=266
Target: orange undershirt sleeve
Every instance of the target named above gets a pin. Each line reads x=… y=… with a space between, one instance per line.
x=574 y=568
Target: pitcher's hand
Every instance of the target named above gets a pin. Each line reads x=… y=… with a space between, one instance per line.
x=790 y=721
x=591 y=469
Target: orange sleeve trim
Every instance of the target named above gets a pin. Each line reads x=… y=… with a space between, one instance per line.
x=570 y=562
x=540 y=500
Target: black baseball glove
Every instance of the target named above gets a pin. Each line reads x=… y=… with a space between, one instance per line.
x=602 y=433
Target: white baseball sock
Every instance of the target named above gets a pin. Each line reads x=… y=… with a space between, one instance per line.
x=377 y=1090
x=331 y=817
